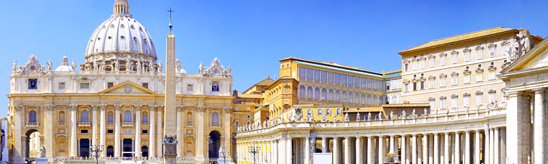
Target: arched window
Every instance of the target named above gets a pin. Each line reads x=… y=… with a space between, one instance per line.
x=374 y=100
x=317 y=93
x=324 y=94
x=61 y=117
x=363 y=99
x=32 y=117
x=302 y=91
x=381 y=100
x=344 y=97
x=309 y=92
x=337 y=96
x=110 y=117
x=215 y=86
x=350 y=97
x=127 y=116
x=394 y=99
x=84 y=116
x=357 y=98
x=330 y=95
x=189 y=118
x=215 y=118
x=145 y=117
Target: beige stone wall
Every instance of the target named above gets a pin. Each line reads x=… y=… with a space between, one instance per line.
x=485 y=65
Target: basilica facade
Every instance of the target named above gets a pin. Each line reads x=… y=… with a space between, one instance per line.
x=116 y=99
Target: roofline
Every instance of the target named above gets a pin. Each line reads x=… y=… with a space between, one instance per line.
x=408 y=51
x=256 y=84
x=320 y=63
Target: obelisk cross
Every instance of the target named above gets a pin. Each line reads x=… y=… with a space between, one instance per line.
x=170 y=24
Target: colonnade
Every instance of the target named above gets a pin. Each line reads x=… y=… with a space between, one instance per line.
x=469 y=146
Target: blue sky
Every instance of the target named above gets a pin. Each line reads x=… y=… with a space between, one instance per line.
x=253 y=35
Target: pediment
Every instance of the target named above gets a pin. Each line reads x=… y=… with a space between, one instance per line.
x=127 y=87
x=537 y=57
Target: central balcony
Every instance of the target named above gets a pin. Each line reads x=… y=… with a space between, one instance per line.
x=33 y=124
x=84 y=124
x=127 y=124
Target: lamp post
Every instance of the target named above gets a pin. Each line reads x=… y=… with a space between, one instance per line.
x=254 y=150
x=96 y=149
x=222 y=153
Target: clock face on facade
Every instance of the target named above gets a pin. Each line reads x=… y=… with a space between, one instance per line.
x=32 y=67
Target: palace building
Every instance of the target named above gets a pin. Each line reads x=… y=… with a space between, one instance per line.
x=489 y=76
x=116 y=99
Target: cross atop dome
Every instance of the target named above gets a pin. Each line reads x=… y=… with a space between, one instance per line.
x=121 y=8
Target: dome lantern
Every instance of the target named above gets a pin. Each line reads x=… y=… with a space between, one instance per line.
x=121 y=8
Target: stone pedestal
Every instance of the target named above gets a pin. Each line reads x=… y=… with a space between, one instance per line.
x=170 y=153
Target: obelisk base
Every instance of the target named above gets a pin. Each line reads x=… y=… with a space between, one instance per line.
x=170 y=153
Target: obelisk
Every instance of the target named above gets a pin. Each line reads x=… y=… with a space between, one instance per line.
x=170 y=113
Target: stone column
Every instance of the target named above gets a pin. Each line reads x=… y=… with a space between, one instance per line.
x=138 y=130
x=436 y=148
x=370 y=158
x=48 y=131
x=336 y=150
x=425 y=148
x=503 y=145
x=518 y=128
x=467 y=148
x=179 y=132
x=275 y=155
x=73 y=142
x=446 y=155
x=538 y=127
x=324 y=144
x=306 y=151
x=477 y=147
x=347 y=153
x=103 y=130
x=159 y=135
x=414 y=145
x=117 y=130
x=381 y=149
x=457 y=148
x=289 y=149
x=392 y=148
x=152 y=133
x=496 y=148
x=403 y=149
x=359 y=148
x=93 y=125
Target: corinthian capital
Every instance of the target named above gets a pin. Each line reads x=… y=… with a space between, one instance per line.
x=73 y=106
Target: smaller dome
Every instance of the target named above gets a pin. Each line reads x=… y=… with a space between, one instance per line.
x=64 y=68
x=64 y=65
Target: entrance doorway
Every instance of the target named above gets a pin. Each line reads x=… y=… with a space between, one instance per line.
x=33 y=144
x=84 y=147
x=110 y=151
x=144 y=151
x=128 y=147
x=214 y=144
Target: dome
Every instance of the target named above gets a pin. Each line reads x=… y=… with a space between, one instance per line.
x=121 y=34
x=64 y=65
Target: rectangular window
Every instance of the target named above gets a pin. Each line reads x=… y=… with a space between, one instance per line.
x=466 y=101
x=61 y=85
x=492 y=51
x=431 y=62
x=324 y=77
x=145 y=131
x=350 y=80
x=467 y=56
x=492 y=97
x=110 y=131
x=415 y=87
x=110 y=118
x=431 y=103
x=110 y=84
x=317 y=75
x=431 y=83
x=189 y=87
x=504 y=49
x=330 y=77
x=442 y=103
x=309 y=74
x=337 y=78
x=343 y=79
x=406 y=87
x=480 y=53
x=442 y=60
x=33 y=84
x=442 y=81
x=466 y=78
x=302 y=73
x=84 y=85
x=422 y=84
x=454 y=102
x=406 y=67
x=492 y=75
x=145 y=85
x=454 y=80
x=454 y=58
x=478 y=99
x=479 y=76
x=83 y=131
x=422 y=64
x=414 y=65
